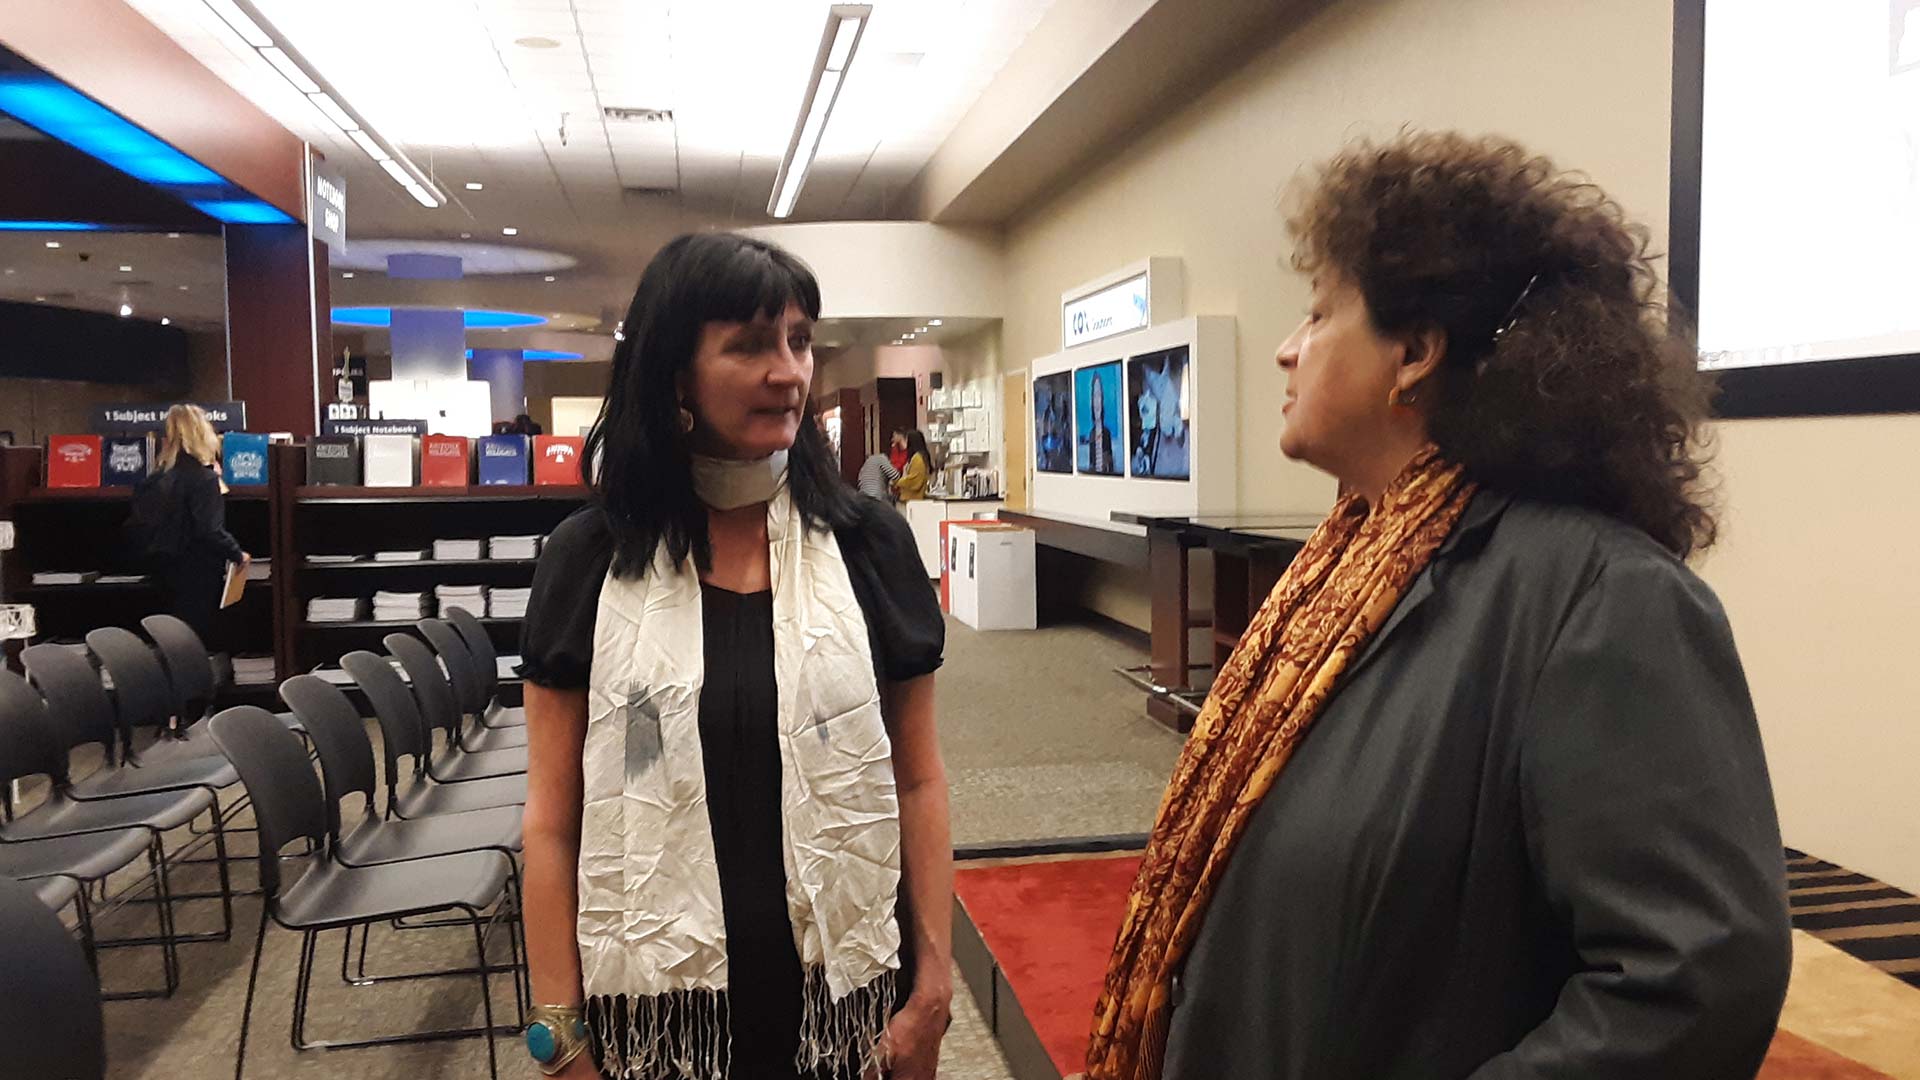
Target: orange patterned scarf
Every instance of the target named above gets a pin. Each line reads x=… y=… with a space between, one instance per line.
x=1334 y=596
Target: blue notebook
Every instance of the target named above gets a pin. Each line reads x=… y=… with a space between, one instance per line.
x=244 y=458
x=504 y=459
x=125 y=459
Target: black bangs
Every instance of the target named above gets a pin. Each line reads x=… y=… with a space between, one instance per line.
x=723 y=277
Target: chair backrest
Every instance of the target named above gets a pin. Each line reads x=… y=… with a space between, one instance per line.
x=402 y=732
x=288 y=804
x=45 y=982
x=189 y=666
x=142 y=697
x=480 y=644
x=77 y=705
x=468 y=689
x=28 y=746
x=339 y=737
x=430 y=688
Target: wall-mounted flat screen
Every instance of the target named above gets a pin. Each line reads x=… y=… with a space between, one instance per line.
x=1096 y=396
x=1053 y=422
x=1158 y=415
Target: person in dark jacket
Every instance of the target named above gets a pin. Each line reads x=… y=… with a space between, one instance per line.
x=180 y=521
x=1481 y=793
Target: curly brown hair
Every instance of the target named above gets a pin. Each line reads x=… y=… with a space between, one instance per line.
x=1564 y=376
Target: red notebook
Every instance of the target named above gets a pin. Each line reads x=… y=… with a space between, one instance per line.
x=73 y=461
x=445 y=461
x=556 y=459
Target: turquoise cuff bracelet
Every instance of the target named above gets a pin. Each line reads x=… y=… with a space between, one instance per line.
x=555 y=1036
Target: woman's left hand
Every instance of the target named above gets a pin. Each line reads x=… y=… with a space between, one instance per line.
x=912 y=1044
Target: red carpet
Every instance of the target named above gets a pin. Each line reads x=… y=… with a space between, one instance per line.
x=1051 y=925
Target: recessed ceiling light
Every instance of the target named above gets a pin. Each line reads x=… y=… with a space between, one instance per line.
x=474 y=185
x=39 y=299
x=509 y=231
x=9 y=269
x=466 y=236
x=184 y=288
x=53 y=243
x=126 y=310
x=933 y=322
x=347 y=274
x=536 y=43
x=920 y=330
x=126 y=269
x=164 y=321
x=173 y=236
x=549 y=276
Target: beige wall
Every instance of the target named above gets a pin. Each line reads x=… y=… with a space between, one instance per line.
x=1820 y=515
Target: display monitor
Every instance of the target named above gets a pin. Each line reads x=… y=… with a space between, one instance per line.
x=1096 y=396
x=1158 y=415
x=1053 y=422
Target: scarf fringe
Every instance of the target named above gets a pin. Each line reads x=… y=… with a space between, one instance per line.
x=687 y=1034
x=683 y=1035
x=848 y=1032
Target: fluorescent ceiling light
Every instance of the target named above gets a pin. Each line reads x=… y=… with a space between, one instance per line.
x=241 y=23
x=934 y=322
x=348 y=274
x=291 y=71
x=53 y=243
x=845 y=24
x=394 y=170
x=422 y=196
x=509 y=231
x=473 y=185
x=126 y=269
x=374 y=150
x=333 y=111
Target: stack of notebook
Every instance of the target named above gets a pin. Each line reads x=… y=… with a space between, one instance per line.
x=456 y=549
x=120 y=579
x=507 y=603
x=513 y=547
x=252 y=670
x=398 y=606
x=260 y=570
x=65 y=577
x=334 y=608
x=330 y=560
x=408 y=555
x=471 y=597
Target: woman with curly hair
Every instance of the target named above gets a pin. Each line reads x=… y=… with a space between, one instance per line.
x=1481 y=792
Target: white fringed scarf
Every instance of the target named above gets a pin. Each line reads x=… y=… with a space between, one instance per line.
x=653 y=945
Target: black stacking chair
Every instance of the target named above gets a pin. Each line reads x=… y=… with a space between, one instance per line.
x=80 y=708
x=81 y=840
x=289 y=806
x=83 y=860
x=480 y=644
x=47 y=992
x=190 y=673
x=469 y=689
x=452 y=763
x=405 y=735
x=346 y=769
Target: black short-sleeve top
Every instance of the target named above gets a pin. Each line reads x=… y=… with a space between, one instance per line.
x=904 y=623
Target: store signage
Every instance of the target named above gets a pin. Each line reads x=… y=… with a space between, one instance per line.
x=327 y=211
x=107 y=419
x=373 y=427
x=344 y=410
x=1115 y=309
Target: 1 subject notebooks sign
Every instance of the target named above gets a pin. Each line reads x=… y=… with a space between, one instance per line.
x=556 y=459
x=244 y=457
x=73 y=461
x=106 y=419
x=445 y=461
x=503 y=459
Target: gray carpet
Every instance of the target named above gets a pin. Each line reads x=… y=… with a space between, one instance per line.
x=1041 y=739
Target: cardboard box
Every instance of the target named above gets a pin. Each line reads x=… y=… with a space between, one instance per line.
x=446 y=461
x=73 y=461
x=556 y=459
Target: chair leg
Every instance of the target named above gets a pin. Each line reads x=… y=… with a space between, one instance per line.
x=246 y=1012
x=486 y=994
x=226 y=879
x=169 y=936
x=302 y=988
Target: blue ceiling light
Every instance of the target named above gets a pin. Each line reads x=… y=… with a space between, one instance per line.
x=541 y=354
x=65 y=114
x=475 y=320
x=50 y=226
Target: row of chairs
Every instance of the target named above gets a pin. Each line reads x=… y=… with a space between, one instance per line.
x=442 y=843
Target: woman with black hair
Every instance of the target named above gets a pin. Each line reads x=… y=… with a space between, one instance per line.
x=737 y=852
x=918 y=472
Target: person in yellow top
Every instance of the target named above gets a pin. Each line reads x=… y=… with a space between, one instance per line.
x=913 y=479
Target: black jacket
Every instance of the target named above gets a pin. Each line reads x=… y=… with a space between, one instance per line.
x=180 y=515
x=1531 y=836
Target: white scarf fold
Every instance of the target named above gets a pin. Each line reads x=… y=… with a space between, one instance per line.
x=650 y=925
